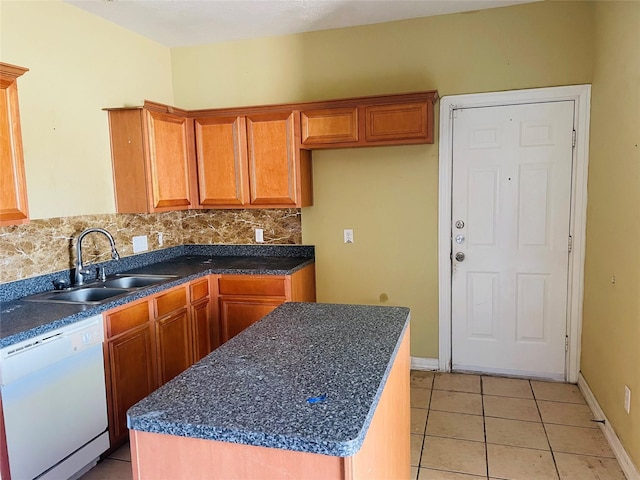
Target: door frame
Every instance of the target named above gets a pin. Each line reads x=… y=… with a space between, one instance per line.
x=581 y=95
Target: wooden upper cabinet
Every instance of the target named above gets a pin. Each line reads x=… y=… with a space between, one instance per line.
x=407 y=121
x=273 y=160
x=251 y=160
x=169 y=161
x=329 y=126
x=13 y=185
x=221 y=155
x=402 y=119
x=152 y=155
x=165 y=158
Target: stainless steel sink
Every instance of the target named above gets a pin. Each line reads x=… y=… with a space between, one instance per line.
x=89 y=294
x=137 y=281
x=96 y=293
x=85 y=296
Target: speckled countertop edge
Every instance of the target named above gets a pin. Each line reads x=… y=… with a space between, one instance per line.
x=183 y=408
x=30 y=319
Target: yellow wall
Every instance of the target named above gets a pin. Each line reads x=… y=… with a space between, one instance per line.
x=388 y=195
x=78 y=64
x=611 y=316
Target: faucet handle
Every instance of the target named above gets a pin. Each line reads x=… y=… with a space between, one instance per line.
x=102 y=276
x=61 y=284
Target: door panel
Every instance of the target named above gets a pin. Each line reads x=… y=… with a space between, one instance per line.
x=512 y=191
x=221 y=150
x=272 y=159
x=169 y=161
x=239 y=313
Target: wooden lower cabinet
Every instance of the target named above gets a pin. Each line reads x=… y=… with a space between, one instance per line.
x=173 y=345
x=173 y=333
x=130 y=378
x=150 y=341
x=245 y=299
x=147 y=343
x=202 y=325
x=238 y=312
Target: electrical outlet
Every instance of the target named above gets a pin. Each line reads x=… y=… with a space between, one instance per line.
x=348 y=235
x=160 y=239
x=140 y=244
x=259 y=235
x=627 y=399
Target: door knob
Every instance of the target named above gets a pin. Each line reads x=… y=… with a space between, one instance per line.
x=460 y=256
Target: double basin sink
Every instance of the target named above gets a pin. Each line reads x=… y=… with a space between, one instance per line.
x=98 y=292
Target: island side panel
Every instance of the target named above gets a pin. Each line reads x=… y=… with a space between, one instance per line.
x=385 y=453
x=303 y=284
x=157 y=456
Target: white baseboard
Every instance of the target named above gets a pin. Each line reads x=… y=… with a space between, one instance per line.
x=420 y=363
x=621 y=454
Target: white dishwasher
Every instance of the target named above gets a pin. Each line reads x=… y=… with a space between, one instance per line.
x=54 y=401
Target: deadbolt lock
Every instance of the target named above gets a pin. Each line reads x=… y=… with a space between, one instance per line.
x=460 y=256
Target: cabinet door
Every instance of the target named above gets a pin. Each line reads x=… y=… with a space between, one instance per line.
x=13 y=186
x=202 y=325
x=238 y=313
x=273 y=166
x=329 y=126
x=221 y=154
x=169 y=157
x=398 y=123
x=173 y=342
x=130 y=360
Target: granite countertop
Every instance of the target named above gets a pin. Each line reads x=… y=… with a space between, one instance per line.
x=307 y=377
x=21 y=320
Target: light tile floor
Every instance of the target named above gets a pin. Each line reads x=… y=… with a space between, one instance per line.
x=466 y=427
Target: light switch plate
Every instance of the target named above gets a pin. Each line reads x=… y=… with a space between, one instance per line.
x=259 y=235
x=140 y=244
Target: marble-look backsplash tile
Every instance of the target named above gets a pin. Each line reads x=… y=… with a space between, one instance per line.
x=45 y=246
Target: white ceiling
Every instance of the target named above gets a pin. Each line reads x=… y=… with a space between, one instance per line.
x=179 y=23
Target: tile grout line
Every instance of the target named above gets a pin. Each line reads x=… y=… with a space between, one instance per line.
x=424 y=432
x=546 y=434
x=484 y=426
x=118 y=460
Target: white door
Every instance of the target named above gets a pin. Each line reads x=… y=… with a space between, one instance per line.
x=511 y=202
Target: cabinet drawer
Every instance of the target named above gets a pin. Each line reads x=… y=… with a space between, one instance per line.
x=199 y=289
x=127 y=318
x=170 y=301
x=273 y=286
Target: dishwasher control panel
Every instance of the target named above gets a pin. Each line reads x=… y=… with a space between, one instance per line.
x=87 y=337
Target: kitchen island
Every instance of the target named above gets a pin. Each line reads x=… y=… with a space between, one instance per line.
x=312 y=391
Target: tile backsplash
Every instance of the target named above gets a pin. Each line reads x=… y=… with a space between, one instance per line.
x=46 y=246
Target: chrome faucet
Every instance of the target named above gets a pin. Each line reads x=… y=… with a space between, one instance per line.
x=80 y=270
